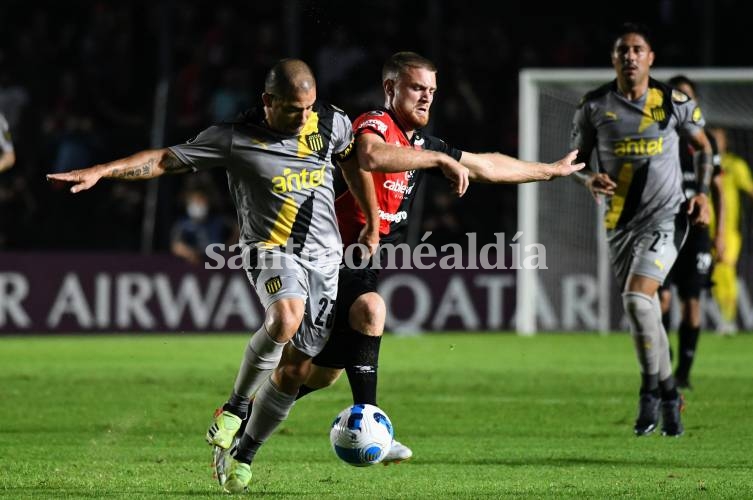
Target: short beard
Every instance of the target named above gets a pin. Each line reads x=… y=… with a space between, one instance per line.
x=418 y=122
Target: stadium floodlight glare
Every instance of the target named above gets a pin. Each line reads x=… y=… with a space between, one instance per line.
x=575 y=292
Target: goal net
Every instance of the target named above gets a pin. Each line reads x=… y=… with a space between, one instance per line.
x=577 y=292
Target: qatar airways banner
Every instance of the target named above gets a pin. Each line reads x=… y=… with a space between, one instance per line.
x=57 y=292
x=100 y=293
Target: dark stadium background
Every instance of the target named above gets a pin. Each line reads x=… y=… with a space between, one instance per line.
x=78 y=82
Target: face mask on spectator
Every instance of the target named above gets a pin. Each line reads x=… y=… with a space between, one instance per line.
x=197 y=210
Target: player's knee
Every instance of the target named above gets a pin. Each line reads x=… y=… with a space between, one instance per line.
x=283 y=318
x=640 y=309
x=321 y=376
x=367 y=314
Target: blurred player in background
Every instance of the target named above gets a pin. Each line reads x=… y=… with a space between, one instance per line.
x=390 y=142
x=633 y=123
x=691 y=272
x=736 y=179
x=279 y=160
x=7 y=153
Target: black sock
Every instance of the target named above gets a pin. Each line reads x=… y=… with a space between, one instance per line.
x=650 y=383
x=668 y=388
x=247 y=448
x=237 y=405
x=303 y=390
x=362 y=370
x=688 y=342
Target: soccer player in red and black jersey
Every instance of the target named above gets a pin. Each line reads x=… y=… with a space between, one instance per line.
x=394 y=154
x=391 y=144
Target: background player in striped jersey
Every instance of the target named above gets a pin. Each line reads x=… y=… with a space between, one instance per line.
x=691 y=273
x=390 y=143
x=634 y=124
x=279 y=162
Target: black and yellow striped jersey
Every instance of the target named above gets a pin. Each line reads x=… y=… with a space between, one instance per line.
x=281 y=185
x=636 y=143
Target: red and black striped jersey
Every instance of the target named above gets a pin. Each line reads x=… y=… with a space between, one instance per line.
x=395 y=192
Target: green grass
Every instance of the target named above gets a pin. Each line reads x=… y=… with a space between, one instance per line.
x=488 y=416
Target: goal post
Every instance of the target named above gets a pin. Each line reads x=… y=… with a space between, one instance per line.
x=576 y=291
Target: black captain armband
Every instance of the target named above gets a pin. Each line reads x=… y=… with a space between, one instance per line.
x=346 y=153
x=702 y=161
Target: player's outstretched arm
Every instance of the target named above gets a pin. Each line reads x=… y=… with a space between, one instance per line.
x=375 y=155
x=497 y=168
x=146 y=164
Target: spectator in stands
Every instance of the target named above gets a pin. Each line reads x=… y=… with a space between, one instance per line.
x=199 y=228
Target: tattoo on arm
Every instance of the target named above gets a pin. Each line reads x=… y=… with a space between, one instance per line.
x=172 y=165
x=140 y=171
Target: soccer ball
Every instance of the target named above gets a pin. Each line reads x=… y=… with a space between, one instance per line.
x=361 y=435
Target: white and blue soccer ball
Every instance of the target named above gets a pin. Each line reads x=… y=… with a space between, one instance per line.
x=361 y=435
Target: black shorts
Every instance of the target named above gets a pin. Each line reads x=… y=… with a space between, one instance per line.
x=691 y=272
x=352 y=283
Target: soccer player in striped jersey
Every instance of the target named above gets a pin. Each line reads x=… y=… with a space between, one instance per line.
x=634 y=124
x=692 y=270
x=391 y=144
x=280 y=167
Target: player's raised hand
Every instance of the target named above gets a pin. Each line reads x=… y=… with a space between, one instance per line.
x=565 y=166
x=82 y=179
x=457 y=174
x=601 y=184
x=699 y=211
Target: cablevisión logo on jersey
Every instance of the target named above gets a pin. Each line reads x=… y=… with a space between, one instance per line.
x=398 y=186
x=291 y=181
x=273 y=285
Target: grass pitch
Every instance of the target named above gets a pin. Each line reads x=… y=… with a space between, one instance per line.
x=488 y=416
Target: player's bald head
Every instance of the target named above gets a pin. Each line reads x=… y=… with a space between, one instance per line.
x=289 y=77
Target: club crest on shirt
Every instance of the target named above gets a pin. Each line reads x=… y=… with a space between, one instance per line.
x=314 y=141
x=658 y=114
x=273 y=285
